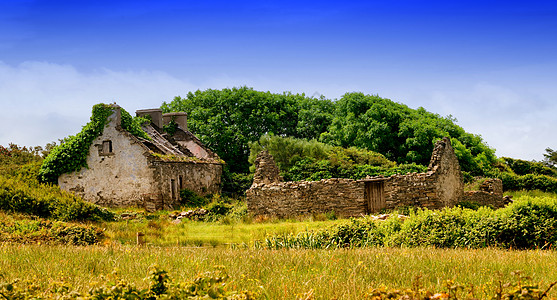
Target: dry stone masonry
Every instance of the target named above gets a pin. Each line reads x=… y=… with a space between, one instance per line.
x=440 y=186
x=490 y=193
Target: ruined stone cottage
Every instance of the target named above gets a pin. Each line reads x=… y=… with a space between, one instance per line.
x=440 y=186
x=125 y=170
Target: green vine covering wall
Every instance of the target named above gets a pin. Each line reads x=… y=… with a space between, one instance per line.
x=133 y=125
x=72 y=155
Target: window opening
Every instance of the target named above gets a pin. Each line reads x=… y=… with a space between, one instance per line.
x=106 y=147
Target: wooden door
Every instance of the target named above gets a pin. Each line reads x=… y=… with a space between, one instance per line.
x=375 y=196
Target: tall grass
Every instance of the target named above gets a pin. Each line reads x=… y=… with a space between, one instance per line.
x=161 y=231
x=283 y=274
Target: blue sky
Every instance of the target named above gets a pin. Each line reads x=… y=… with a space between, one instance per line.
x=490 y=64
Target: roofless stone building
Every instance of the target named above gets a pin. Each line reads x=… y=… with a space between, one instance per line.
x=441 y=186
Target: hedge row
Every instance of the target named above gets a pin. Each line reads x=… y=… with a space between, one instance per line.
x=528 y=223
x=515 y=182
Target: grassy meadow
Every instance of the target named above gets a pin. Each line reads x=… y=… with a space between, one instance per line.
x=189 y=248
x=285 y=274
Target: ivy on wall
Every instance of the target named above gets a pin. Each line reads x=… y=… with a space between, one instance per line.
x=133 y=125
x=72 y=155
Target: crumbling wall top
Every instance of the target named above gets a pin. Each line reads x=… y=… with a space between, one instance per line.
x=266 y=170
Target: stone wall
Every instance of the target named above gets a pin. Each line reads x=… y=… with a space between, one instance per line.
x=490 y=193
x=417 y=189
x=440 y=186
x=266 y=170
x=171 y=177
x=284 y=199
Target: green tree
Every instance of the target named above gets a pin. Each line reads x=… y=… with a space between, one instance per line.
x=402 y=134
x=550 y=158
x=227 y=120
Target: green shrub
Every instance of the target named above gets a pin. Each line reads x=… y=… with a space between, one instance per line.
x=23 y=230
x=235 y=184
x=524 y=167
x=47 y=201
x=219 y=208
x=515 y=182
x=189 y=198
x=527 y=223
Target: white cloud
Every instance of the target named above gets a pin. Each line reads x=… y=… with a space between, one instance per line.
x=42 y=102
x=516 y=122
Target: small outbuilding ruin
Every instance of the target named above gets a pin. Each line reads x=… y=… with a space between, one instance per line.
x=441 y=186
x=126 y=170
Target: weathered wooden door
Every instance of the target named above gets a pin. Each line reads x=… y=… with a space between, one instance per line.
x=375 y=196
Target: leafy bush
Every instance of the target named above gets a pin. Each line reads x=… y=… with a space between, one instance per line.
x=528 y=223
x=300 y=159
x=515 y=182
x=524 y=167
x=235 y=184
x=219 y=208
x=309 y=169
x=189 y=198
x=23 y=230
x=48 y=201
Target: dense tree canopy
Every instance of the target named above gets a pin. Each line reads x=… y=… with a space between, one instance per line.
x=402 y=134
x=228 y=119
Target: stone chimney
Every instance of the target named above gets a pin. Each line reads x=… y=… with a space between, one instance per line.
x=155 y=114
x=181 y=118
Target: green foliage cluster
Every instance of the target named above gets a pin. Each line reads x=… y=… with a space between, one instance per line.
x=72 y=154
x=171 y=127
x=299 y=159
x=312 y=170
x=515 y=182
x=524 y=167
x=209 y=285
x=550 y=158
x=133 y=124
x=235 y=184
x=14 y=156
x=228 y=119
x=189 y=198
x=402 y=134
x=24 y=231
x=47 y=201
x=528 y=223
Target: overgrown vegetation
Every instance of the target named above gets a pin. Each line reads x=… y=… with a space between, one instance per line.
x=215 y=285
x=209 y=285
x=299 y=159
x=292 y=274
x=528 y=223
x=228 y=119
x=47 y=201
x=21 y=191
x=21 y=230
x=72 y=154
